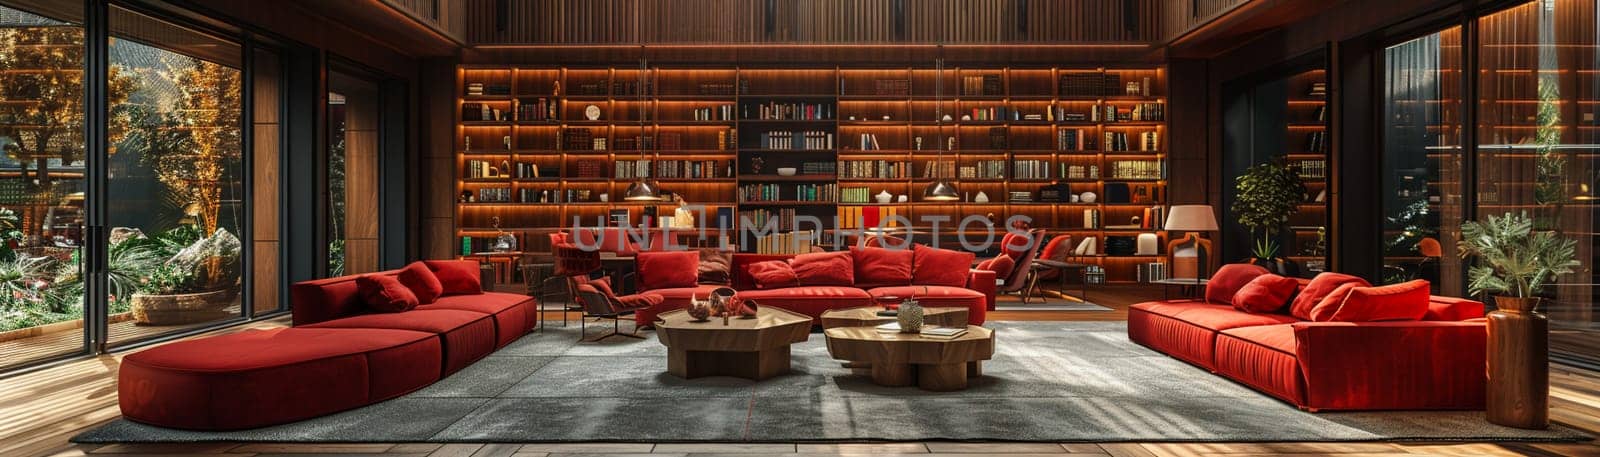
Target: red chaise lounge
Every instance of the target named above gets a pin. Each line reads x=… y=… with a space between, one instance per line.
x=1433 y=362
x=338 y=356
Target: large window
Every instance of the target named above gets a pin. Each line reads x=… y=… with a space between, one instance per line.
x=176 y=166
x=353 y=150
x=41 y=182
x=1538 y=143
x=1422 y=160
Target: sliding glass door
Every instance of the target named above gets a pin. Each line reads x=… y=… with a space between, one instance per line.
x=353 y=150
x=42 y=183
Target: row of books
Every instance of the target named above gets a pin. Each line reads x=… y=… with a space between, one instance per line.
x=890 y=169
x=855 y=195
x=536 y=109
x=803 y=140
x=784 y=243
x=782 y=219
x=1089 y=84
x=481 y=169
x=861 y=217
x=1138 y=112
x=1080 y=171
x=787 y=111
x=718 y=113
x=797 y=192
x=1317 y=141
x=983 y=169
x=482 y=112
x=674 y=169
x=479 y=88
x=1031 y=169
x=1312 y=168
x=868 y=142
x=1135 y=169
x=1147 y=141
x=493 y=194
x=1074 y=140
x=982 y=85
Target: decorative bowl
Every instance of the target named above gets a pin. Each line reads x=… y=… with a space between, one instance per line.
x=787 y=171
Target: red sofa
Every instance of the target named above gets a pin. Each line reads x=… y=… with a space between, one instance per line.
x=1433 y=363
x=978 y=295
x=336 y=357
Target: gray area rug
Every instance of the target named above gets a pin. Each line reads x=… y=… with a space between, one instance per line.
x=1049 y=381
x=1050 y=305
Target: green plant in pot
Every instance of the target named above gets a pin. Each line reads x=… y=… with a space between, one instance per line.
x=1515 y=263
x=1267 y=194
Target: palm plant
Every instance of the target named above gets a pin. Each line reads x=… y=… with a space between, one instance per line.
x=1513 y=259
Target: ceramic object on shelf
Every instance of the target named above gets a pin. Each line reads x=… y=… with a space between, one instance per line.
x=591 y=112
x=981 y=198
x=903 y=198
x=947 y=118
x=1087 y=197
x=787 y=171
x=885 y=197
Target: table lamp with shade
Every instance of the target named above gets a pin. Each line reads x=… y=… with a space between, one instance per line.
x=1193 y=219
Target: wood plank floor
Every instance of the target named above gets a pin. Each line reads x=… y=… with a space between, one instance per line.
x=39 y=411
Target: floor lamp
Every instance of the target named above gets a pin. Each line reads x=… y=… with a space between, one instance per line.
x=1193 y=219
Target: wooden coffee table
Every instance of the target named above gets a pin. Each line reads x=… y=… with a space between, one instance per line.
x=899 y=359
x=866 y=316
x=753 y=349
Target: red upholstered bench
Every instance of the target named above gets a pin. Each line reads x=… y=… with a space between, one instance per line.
x=257 y=378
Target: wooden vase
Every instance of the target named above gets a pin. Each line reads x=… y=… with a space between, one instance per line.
x=1519 y=364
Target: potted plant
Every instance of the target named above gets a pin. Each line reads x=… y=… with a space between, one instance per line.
x=1268 y=193
x=196 y=282
x=1515 y=263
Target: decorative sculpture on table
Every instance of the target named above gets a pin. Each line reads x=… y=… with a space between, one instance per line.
x=722 y=303
x=910 y=316
x=700 y=310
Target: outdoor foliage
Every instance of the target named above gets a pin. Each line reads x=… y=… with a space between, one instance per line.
x=1512 y=258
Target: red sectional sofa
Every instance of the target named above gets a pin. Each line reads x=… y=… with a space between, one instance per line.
x=977 y=293
x=1433 y=363
x=336 y=357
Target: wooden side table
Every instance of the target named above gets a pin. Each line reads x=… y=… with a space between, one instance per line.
x=754 y=349
x=903 y=359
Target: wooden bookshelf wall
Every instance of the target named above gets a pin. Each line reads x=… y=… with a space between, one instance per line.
x=1015 y=119
x=1306 y=146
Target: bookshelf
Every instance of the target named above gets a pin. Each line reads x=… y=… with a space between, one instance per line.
x=1026 y=139
x=1306 y=147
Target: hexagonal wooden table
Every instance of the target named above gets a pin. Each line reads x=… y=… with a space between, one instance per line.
x=901 y=359
x=867 y=316
x=755 y=349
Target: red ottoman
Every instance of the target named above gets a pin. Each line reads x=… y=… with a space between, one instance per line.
x=257 y=378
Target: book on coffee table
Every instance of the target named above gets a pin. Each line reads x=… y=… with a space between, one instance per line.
x=943 y=332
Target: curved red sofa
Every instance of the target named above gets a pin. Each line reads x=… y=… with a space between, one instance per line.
x=335 y=358
x=978 y=295
x=1433 y=363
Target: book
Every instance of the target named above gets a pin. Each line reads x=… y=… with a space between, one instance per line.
x=944 y=332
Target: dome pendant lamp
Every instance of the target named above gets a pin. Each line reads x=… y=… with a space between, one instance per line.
x=942 y=190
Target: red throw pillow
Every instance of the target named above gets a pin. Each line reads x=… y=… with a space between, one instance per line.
x=668 y=269
x=824 y=269
x=1002 y=266
x=1228 y=279
x=772 y=274
x=459 y=277
x=385 y=294
x=1014 y=245
x=1406 y=301
x=417 y=277
x=1319 y=288
x=716 y=266
x=940 y=267
x=1265 y=294
x=879 y=267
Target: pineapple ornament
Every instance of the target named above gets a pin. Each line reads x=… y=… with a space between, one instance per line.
x=910 y=316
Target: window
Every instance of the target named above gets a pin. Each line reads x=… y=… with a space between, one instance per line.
x=1422 y=161
x=353 y=150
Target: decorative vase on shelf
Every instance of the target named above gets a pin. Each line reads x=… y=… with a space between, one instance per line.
x=885 y=197
x=1519 y=364
x=910 y=316
x=981 y=198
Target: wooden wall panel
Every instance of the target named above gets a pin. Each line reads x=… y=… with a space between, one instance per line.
x=626 y=22
x=1176 y=21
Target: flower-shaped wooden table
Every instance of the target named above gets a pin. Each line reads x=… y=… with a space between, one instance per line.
x=895 y=358
x=755 y=348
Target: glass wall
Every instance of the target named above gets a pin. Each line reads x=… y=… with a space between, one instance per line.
x=176 y=171
x=1422 y=161
x=41 y=181
x=1538 y=143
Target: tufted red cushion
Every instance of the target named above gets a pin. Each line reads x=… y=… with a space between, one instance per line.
x=773 y=274
x=1319 y=288
x=1407 y=301
x=1264 y=294
x=715 y=266
x=824 y=268
x=940 y=267
x=385 y=294
x=668 y=269
x=1002 y=266
x=417 y=277
x=459 y=277
x=876 y=267
x=1229 y=279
